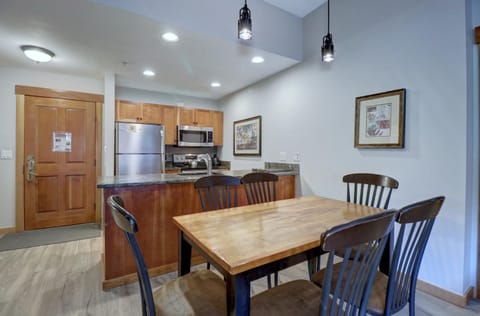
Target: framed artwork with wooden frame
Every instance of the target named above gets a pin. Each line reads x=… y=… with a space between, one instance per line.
x=247 y=137
x=380 y=120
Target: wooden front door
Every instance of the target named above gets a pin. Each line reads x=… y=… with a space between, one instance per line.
x=59 y=186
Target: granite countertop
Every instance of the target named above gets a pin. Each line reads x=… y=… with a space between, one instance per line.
x=166 y=178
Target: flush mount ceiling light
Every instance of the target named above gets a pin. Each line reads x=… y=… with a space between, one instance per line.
x=327 y=47
x=37 y=54
x=148 y=73
x=170 y=37
x=258 y=60
x=245 y=23
x=215 y=84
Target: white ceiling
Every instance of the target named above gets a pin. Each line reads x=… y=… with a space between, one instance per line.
x=298 y=7
x=90 y=39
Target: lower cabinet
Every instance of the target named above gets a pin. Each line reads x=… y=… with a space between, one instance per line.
x=154 y=206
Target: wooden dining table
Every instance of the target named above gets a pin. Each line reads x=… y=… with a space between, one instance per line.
x=249 y=242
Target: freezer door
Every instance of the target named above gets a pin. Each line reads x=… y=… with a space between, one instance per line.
x=139 y=138
x=129 y=164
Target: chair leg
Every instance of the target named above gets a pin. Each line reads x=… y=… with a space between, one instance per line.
x=208 y=265
x=269 y=281
x=411 y=305
x=276 y=278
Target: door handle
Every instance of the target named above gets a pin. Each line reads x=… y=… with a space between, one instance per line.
x=30 y=168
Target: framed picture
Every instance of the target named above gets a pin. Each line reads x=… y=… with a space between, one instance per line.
x=247 y=137
x=380 y=120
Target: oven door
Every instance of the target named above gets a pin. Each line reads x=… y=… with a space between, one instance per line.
x=193 y=136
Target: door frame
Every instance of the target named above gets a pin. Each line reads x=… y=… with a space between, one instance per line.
x=21 y=92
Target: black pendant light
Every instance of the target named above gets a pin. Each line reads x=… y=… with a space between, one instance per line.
x=245 y=23
x=327 y=47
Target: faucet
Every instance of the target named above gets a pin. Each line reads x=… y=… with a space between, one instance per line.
x=208 y=161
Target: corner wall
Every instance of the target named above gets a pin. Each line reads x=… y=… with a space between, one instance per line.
x=380 y=45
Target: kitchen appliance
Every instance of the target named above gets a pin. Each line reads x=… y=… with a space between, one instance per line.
x=194 y=136
x=139 y=148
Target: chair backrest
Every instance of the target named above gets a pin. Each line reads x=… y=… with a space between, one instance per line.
x=260 y=187
x=217 y=191
x=128 y=224
x=363 y=240
x=369 y=189
x=416 y=222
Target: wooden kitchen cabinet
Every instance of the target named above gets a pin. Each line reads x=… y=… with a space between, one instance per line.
x=169 y=120
x=194 y=117
x=134 y=112
x=217 y=124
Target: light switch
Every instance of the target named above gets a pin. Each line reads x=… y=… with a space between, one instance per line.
x=6 y=154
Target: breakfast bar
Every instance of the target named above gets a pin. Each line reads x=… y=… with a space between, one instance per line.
x=154 y=199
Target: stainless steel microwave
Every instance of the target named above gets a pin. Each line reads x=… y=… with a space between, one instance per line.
x=194 y=136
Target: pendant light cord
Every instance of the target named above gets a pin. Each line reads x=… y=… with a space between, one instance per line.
x=328 y=16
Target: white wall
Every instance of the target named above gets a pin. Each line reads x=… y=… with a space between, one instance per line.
x=136 y=95
x=9 y=78
x=380 y=45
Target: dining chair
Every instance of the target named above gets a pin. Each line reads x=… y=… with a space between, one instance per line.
x=391 y=293
x=217 y=192
x=346 y=294
x=261 y=187
x=184 y=296
x=370 y=189
x=367 y=189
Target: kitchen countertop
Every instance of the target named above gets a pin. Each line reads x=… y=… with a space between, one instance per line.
x=168 y=178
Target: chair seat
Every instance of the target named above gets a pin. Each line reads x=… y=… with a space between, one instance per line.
x=299 y=297
x=376 y=301
x=197 y=293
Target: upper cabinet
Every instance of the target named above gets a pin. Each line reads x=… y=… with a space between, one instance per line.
x=170 y=117
x=138 y=112
x=194 y=117
x=217 y=124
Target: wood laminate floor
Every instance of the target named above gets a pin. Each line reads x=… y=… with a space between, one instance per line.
x=65 y=279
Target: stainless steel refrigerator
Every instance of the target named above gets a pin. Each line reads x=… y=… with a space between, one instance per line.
x=139 y=148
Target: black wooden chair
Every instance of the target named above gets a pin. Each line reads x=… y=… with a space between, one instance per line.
x=187 y=295
x=391 y=293
x=366 y=189
x=261 y=187
x=344 y=294
x=370 y=189
x=217 y=192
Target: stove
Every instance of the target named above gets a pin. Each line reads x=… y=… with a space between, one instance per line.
x=188 y=161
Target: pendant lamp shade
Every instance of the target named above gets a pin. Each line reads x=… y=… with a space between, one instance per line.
x=328 y=53
x=245 y=23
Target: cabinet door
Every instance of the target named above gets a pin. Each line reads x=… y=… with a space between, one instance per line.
x=152 y=113
x=203 y=118
x=128 y=111
x=186 y=116
x=170 y=123
x=217 y=124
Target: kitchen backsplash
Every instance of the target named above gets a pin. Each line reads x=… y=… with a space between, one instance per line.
x=171 y=150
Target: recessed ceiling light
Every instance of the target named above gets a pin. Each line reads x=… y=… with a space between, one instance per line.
x=170 y=37
x=215 y=84
x=37 y=54
x=148 y=73
x=258 y=60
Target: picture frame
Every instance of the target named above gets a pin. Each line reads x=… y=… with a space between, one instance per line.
x=247 y=137
x=380 y=120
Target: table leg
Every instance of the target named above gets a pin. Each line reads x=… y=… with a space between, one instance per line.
x=238 y=295
x=184 y=255
x=387 y=254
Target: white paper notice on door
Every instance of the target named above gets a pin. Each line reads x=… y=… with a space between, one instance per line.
x=62 y=142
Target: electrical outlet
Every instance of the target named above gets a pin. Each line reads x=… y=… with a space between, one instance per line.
x=283 y=156
x=296 y=157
